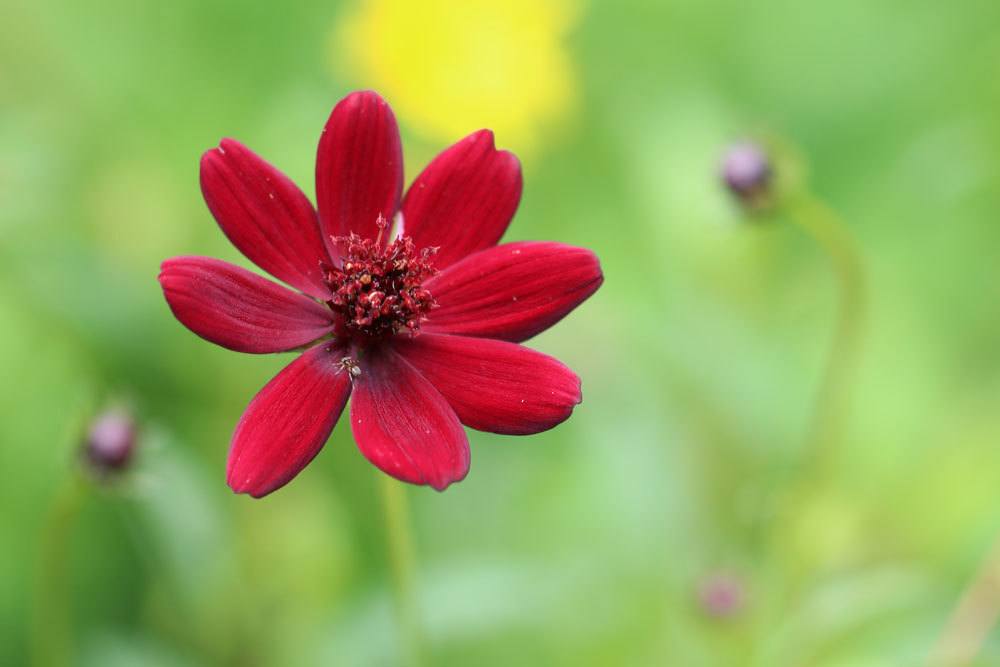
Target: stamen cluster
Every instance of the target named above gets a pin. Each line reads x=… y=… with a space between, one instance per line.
x=377 y=290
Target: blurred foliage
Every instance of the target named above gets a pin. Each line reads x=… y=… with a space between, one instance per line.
x=701 y=355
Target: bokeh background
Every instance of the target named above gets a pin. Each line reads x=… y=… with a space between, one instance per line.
x=666 y=522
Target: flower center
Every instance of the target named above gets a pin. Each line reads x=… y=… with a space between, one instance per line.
x=377 y=290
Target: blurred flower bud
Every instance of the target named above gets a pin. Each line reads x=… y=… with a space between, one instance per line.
x=746 y=171
x=721 y=595
x=110 y=442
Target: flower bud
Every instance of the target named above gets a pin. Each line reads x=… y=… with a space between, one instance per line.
x=746 y=171
x=721 y=595
x=110 y=441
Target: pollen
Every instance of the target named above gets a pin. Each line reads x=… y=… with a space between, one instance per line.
x=378 y=290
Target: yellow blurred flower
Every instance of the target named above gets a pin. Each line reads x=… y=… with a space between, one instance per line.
x=449 y=67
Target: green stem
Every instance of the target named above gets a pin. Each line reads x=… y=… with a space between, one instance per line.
x=830 y=414
x=399 y=542
x=51 y=636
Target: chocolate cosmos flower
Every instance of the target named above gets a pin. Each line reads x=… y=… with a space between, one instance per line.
x=420 y=323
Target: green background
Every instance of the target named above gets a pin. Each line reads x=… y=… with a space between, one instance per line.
x=700 y=357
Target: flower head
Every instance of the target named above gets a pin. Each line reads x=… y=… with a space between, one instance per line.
x=378 y=289
x=405 y=305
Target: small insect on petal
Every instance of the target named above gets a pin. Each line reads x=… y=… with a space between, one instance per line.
x=350 y=366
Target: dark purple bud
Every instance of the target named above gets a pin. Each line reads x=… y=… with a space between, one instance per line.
x=747 y=173
x=721 y=595
x=110 y=441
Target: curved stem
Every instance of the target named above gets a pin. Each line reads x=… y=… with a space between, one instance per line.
x=974 y=616
x=399 y=543
x=50 y=633
x=832 y=402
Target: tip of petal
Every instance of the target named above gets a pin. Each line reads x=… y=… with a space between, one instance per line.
x=217 y=157
x=211 y=164
x=257 y=495
x=241 y=483
x=440 y=485
x=599 y=280
x=243 y=480
x=513 y=163
x=361 y=98
x=171 y=263
x=435 y=481
x=487 y=139
x=484 y=136
x=596 y=270
x=226 y=148
x=165 y=267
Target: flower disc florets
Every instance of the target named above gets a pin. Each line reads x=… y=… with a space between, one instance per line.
x=378 y=290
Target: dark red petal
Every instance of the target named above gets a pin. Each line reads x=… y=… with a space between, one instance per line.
x=403 y=424
x=288 y=421
x=359 y=168
x=240 y=310
x=265 y=215
x=464 y=199
x=495 y=386
x=512 y=291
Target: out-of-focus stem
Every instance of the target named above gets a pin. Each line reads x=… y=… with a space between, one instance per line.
x=830 y=414
x=402 y=559
x=51 y=637
x=975 y=614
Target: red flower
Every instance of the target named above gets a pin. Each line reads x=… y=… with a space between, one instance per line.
x=365 y=297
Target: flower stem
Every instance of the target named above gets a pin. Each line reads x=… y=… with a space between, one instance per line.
x=50 y=634
x=399 y=544
x=976 y=612
x=831 y=411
